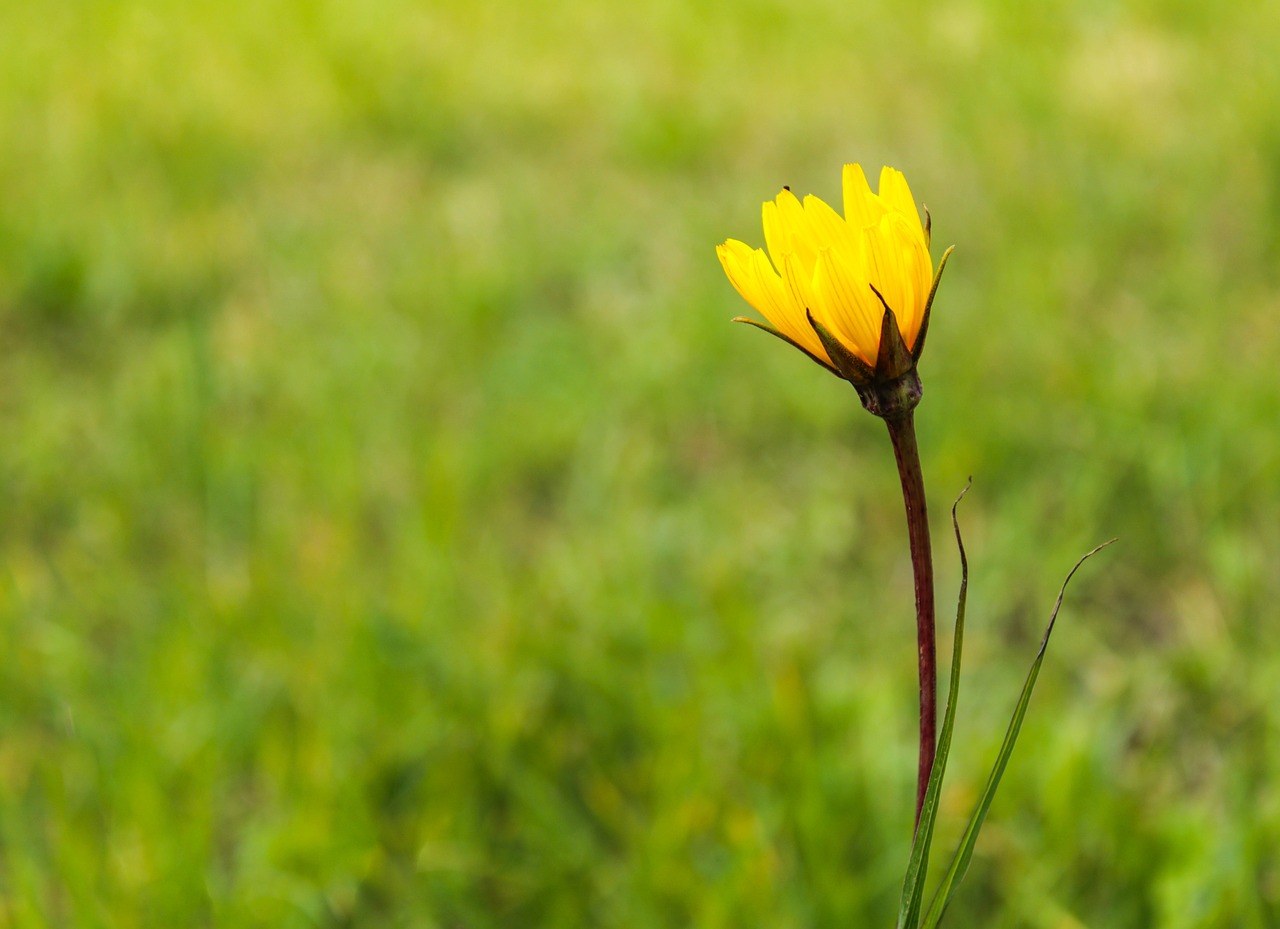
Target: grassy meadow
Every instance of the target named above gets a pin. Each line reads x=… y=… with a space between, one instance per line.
x=395 y=532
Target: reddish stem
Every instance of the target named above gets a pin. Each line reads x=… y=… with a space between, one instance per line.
x=902 y=433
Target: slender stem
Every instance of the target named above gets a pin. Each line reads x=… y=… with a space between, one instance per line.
x=902 y=433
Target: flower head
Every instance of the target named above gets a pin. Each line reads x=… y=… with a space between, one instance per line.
x=853 y=292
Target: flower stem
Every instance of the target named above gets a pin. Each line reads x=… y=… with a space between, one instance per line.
x=902 y=433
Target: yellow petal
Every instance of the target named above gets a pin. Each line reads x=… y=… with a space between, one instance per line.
x=847 y=306
x=830 y=228
x=778 y=307
x=896 y=195
x=765 y=280
x=804 y=239
x=800 y=289
x=776 y=237
x=883 y=264
x=918 y=274
x=736 y=259
x=861 y=207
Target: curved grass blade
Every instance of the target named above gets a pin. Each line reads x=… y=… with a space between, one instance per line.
x=964 y=852
x=913 y=883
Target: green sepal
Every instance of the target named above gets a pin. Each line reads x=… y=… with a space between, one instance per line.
x=913 y=883
x=786 y=338
x=892 y=359
x=928 y=304
x=894 y=388
x=964 y=852
x=928 y=226
x=851 y=367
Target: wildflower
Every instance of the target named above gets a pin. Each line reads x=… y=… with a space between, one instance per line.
x=853 y=292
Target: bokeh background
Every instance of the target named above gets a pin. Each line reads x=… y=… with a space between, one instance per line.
x=394 y=531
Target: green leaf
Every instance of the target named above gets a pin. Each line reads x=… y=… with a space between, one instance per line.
x=913 y=884
x=964 y=852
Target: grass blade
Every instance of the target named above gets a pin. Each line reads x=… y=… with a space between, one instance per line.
x=964 y=852
x=917 y=867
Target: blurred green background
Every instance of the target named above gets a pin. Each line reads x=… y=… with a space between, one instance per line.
x=394 y=531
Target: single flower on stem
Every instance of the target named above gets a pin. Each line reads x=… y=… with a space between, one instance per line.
x=834 y=281
x=854 y=293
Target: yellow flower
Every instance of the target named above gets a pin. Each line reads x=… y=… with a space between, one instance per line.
x=835 y=281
